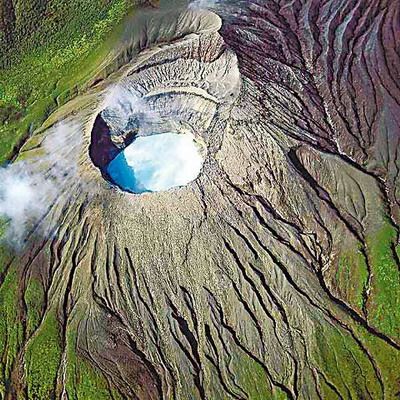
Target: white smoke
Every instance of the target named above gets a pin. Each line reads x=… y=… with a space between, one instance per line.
x=120 y=103
x=123 y=103
x=22 y=198
x=158 y=163
x=203 y=4
x=30 y=187
x=161 y=157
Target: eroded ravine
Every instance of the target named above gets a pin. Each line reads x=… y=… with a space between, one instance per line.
x=274 y=274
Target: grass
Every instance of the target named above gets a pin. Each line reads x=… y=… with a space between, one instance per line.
x=384 y=306
x=346 y=366
x=82 y=380
x=387 y=359
x=56 y=61
x=352 y=277
x=56 y=50
x=10 y=327
x=42 y=359
x=253 y=379
x=34 y=299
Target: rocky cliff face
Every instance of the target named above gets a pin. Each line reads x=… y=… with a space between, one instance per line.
x=274 y=275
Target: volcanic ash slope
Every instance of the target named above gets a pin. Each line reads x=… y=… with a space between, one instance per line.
x=274 y=274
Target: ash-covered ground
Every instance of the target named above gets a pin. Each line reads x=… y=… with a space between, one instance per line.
x=274 y=273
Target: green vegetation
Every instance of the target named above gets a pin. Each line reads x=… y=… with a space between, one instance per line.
x=83 y=381
x=52 y=62
x=384 y=306
x=10 y=326
x=254 y=381
x=34 y=299
x=60 y=46
x=387 y=359
x=5 y=253
x=352 y=278
x=48 y=52
x=42 y=359
x=344 y=363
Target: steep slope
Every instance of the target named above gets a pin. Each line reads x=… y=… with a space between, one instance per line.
x=274 y=275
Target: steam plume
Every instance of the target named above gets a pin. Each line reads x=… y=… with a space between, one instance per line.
x=30 y=187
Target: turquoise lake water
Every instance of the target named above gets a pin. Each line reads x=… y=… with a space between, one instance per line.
x=156 y=163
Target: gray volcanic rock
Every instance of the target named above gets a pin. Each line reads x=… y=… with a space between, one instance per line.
x=275 y=274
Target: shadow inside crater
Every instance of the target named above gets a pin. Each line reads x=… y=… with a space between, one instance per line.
x=139 y=164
